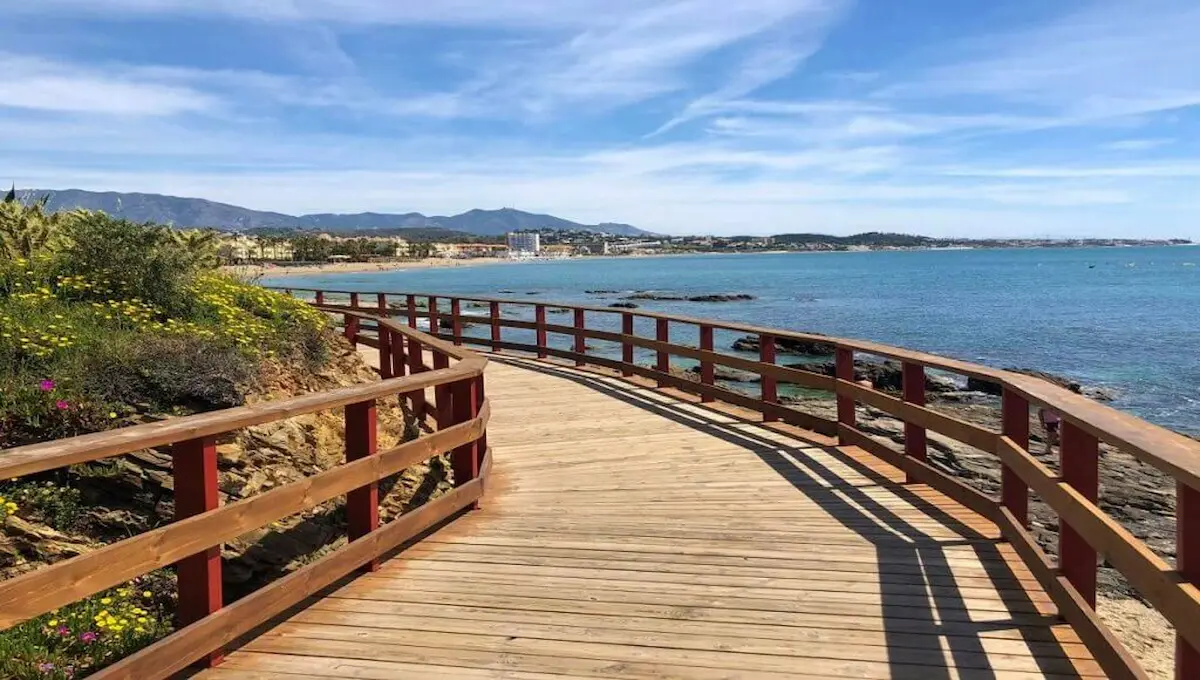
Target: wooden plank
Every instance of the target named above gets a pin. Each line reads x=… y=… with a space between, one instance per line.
x=1164 y=588
x=176 y=651
x=1108 y=651
x=40 y=591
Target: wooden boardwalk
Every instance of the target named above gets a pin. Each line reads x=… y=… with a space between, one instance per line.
x=633 y=533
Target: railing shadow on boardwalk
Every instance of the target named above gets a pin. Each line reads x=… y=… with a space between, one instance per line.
x=911 y=552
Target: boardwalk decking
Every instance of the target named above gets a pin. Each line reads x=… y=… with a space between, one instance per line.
x=630 y=533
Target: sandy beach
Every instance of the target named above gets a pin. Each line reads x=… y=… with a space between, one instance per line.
x=269 y=270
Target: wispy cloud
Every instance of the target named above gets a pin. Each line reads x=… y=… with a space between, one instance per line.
x=40 y=85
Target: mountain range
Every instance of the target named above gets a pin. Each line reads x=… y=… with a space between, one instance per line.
x=198 y=212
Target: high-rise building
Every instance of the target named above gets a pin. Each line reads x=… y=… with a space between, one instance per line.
x=524 y=242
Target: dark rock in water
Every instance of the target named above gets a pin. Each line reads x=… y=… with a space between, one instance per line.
x=729 y=374
x=447 y=322
x=623 y=305
x=506 y=292
x=795 y=346
x=646 y=295
x=886 y=375
x=1097 y=393
x=533 y=292
x=713 y=297
x=558 y=310
x=720 y=298
x=601 y=292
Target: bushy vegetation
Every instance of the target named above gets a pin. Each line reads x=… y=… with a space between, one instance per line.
x=101 y=317
x=102 y=322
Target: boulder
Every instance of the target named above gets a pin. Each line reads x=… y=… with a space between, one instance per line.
x=624 y=305
x=727 y=374
x=792 y=346
x=886 y=375
x=1097 y=393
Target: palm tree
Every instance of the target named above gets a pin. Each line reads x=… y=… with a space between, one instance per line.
x=200 y=244
x=27 y=228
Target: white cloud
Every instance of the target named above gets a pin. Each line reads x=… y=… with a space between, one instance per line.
x=1111 y=59
x=41 y=85
x=1139 y=144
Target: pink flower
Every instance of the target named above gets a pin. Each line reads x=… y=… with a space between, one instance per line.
x=88 y=637
x=62 y=405
x=46 y=385
x=63 y=631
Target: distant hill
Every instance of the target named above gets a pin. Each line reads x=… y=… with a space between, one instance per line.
x=198 y=212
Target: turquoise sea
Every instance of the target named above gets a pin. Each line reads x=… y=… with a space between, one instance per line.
x=1127 y=319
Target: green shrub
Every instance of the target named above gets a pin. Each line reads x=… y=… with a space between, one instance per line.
x=55 y=505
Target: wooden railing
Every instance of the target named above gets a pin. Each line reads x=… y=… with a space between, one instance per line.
x=192 y=542
x=1086 y=531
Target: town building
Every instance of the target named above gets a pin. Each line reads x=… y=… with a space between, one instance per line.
x=524 y=242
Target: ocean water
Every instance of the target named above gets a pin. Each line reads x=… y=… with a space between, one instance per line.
x=1127 y=319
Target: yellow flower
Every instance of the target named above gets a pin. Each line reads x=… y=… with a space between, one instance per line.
x=141 y=619
x=52 y=622
x=112 y=415
x=106 y=600
x=147 y=593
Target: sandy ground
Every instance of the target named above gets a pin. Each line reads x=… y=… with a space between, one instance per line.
x=256 y=270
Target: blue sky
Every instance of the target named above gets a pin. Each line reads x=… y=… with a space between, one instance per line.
x=944 y=117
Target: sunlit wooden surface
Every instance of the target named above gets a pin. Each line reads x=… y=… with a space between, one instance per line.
x=630 y=533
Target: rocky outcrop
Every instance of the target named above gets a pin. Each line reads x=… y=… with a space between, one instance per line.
x=885 y=375
x=1097 y=393
x=792 y=346
x=712 y=297
x=624 y=305
x=132 y=494
x=727 y=374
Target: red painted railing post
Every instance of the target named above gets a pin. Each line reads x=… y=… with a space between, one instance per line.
x=1014 y=492
x=354 y=300
x=385 y=341
x=1187 y=562
x=494 y=317
x=580 y=340
x=465 y=460
x=1079 y=456
x=844 y=370
x=706 y=367
x=194 y=467
x=626 y=347
x=912 y=384
x=398 y=358
x=456 y=320
x=770 y=389
x=411 y=305
x=539 y=319
x=320 y=297
x=434 y=319
x=662 y=333
x=362 y=504
x=443 y=397
x=350 y=329
x=416 y=364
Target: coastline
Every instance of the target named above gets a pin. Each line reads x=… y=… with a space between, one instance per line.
x=268 y=271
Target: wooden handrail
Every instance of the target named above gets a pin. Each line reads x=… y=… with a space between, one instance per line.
x=1085 y=529
x=193 y=541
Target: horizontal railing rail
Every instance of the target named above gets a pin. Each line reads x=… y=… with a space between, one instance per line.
x=192 y=542
x=1085 y=530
